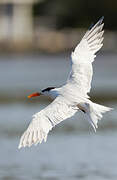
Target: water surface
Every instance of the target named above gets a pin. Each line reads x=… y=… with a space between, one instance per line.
x=73 y=151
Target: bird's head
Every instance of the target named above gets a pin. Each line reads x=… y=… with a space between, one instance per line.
x=45 y=92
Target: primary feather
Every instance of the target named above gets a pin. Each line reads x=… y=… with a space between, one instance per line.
x=43 y=121
x=83 y=56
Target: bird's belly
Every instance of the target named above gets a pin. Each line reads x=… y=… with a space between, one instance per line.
x=73 y=96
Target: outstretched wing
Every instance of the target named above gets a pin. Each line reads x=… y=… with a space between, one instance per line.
x=45 y=120
x=83 y=56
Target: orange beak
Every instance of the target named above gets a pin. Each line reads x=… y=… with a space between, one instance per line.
x=34 y=95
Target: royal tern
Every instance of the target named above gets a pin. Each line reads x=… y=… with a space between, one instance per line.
x=72 y=96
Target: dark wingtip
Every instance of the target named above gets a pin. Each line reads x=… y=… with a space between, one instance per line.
x=99 y=22
x=90 y=27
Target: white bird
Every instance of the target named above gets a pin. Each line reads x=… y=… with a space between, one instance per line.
x=72 y=96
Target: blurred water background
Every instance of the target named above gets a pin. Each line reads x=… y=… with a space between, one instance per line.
x=36 y=40
x=73 y=150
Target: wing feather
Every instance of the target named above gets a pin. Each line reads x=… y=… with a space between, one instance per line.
x=45 y=120
x=81 y=73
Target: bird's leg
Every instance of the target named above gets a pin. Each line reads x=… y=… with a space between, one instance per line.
x=81 y=108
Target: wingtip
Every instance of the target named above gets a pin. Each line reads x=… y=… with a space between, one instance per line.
x=101 y=20
x=90 y=27
x=19 y=147
x=98 y=23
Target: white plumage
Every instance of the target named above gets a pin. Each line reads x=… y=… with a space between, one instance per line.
x=45 y=120
x=72 y=96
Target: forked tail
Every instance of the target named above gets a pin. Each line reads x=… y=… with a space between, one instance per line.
x=94 y=112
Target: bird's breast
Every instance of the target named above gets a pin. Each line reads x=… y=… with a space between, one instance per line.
x=53 y=94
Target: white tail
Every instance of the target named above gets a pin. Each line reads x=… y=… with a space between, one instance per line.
x=94 y=112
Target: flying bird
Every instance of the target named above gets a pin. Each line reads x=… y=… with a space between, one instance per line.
x=73 y=95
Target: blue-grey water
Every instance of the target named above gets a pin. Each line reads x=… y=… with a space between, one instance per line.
x=73 y=151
